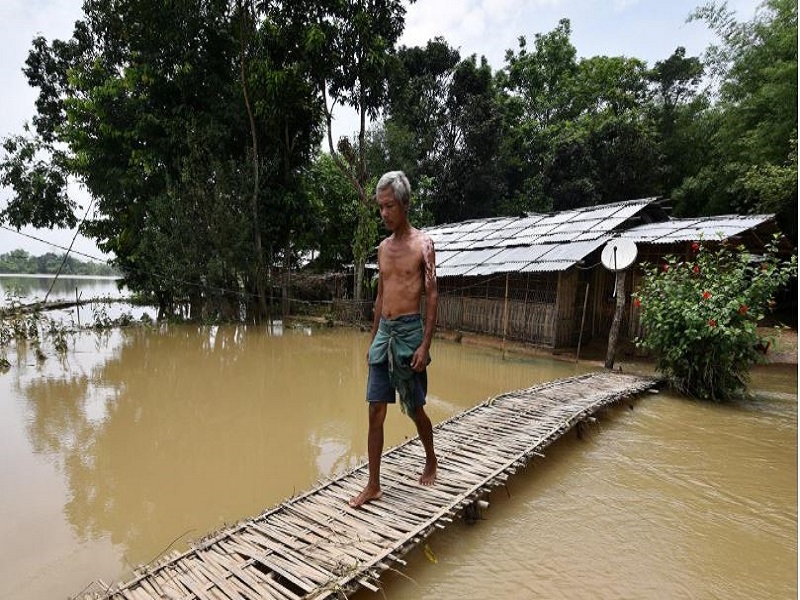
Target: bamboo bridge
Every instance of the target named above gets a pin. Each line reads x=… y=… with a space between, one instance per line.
x=314 y=546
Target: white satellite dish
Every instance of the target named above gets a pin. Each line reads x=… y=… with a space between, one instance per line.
x=618 y=254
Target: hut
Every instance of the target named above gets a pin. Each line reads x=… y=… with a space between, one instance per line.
x=538 y=278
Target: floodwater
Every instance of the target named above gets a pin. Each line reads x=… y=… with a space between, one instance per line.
x=35 y=287
x=140 y=440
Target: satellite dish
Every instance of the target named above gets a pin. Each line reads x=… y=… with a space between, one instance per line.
x=618 y=254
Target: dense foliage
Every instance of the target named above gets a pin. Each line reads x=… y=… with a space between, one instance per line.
x=19 y=261
x=699 y=315
x=197 y=128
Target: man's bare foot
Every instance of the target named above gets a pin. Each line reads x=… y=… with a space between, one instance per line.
x=428 y=476
x=368 y=494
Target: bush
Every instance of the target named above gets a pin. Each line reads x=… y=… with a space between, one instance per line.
x=699 y=315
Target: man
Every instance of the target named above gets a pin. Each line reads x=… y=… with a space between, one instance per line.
x=399 y=351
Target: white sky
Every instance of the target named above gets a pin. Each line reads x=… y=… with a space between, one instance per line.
x=646 y=29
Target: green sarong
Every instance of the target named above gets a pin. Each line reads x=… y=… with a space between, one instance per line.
x=395 y=344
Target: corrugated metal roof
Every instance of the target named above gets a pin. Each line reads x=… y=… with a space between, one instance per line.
x=590 y=235
x=556 y=242
x=547 y=267
x=525 y=254
x=451 y=271
x=574 y=251
x=491 y=269
x=506 y=244
x=472 y=257
x=700 y=228
x=442 y=256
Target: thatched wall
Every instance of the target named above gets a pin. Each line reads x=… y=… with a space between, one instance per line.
x=544 y=309
x=518 y=306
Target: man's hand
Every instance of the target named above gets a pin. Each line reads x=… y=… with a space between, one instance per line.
x=420 y=359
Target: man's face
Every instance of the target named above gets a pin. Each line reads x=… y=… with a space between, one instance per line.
x=393 y=213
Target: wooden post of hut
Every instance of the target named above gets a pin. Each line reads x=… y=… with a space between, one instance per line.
x=505 y=318
x=583 y=320
x=617 y=255
x=613 y=334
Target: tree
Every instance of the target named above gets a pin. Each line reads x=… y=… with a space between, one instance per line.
x=756 y=123
x=158 y=110
x=119 y=106
x=573 y=130
x=678 y=110
x=541 y=82
x=40 y=185
x=576 y=132
x=347 y=47
x=247 y=29
x=608 y=152
x=416 y=113
x=676 y=80
x=336 y=208
x=442 y=120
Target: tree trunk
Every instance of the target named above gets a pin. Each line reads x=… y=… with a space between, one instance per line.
x=358 y=280
x=257 y=247
x=619 y=290
x=287 y=264
x=354 y=167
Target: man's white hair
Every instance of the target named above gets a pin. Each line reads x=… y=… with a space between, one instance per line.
x=398 y=182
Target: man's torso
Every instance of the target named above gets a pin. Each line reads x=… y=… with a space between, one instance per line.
x=402 y=266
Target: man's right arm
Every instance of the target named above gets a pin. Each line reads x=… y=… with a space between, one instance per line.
x=378 y=306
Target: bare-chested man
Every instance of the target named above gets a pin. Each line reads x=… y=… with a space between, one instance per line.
x=399 y=351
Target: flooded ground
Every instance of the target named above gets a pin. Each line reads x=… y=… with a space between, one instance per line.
x=144 y=439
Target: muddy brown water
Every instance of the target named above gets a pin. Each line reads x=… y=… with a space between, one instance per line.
x=142 y=440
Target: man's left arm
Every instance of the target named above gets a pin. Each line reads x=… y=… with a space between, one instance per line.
x=421 y=357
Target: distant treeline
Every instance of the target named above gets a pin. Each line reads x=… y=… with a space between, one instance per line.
x=19 y=261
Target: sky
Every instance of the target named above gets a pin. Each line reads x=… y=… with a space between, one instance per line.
x=646 y=29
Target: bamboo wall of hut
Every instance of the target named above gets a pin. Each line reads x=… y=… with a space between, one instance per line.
x=542 y=309
x=519 y=306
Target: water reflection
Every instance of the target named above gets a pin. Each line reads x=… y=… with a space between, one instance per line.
x=192 y=414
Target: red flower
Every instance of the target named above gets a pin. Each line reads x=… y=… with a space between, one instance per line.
x=696 y=268
x=706 y=295
x=637 y=303
x=665 y=267
x=712 y=322
x=743 y=309
x=695 y=246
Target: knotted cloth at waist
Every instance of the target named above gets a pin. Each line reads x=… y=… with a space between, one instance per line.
x=395 y=344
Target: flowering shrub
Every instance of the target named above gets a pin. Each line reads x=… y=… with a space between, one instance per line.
x=699 y=315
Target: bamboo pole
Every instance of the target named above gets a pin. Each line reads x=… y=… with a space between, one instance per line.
x=583 y=320
x=505 y=318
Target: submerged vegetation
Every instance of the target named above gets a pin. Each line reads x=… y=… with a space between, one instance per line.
x=33 y=327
